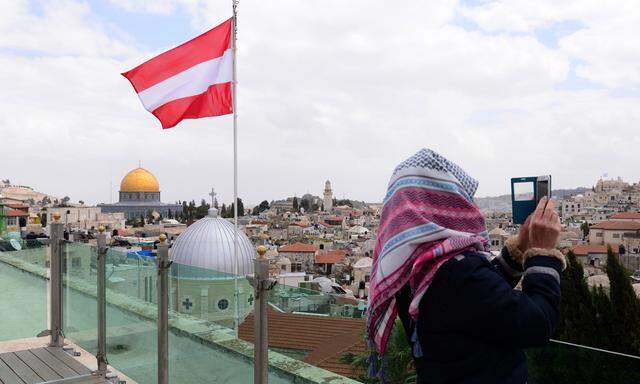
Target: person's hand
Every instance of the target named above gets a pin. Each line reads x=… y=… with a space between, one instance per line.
x=544 y=228
x=523 y=235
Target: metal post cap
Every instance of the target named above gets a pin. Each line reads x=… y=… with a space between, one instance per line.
x=261 y=250
x=162 y=237
x=56 y=216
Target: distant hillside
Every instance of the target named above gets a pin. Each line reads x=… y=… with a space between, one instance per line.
x=502 y=203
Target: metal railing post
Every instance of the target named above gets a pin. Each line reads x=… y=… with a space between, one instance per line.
x=101 y=356
x=56 y=233
x=261 y=284
x=162 y=289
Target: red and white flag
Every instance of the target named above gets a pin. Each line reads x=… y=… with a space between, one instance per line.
x=190 y=81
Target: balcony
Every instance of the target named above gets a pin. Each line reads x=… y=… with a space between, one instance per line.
x=203 y=345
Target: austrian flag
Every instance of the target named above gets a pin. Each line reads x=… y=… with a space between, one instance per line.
x=190 y=81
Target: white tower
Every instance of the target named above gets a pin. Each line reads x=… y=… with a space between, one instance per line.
x=328 y=197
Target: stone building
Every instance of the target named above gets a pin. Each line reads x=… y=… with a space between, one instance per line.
x=302 y=256
x=139 y=196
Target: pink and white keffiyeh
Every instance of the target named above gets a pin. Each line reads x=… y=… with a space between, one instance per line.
x=427 y=218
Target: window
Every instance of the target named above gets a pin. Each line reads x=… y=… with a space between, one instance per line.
x=599 y=234
x=366 y=278
x=283 y=267
x=223 y=304
x=296 y=267
x=616 y=235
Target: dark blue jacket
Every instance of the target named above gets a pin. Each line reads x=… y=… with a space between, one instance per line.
x=473 y=324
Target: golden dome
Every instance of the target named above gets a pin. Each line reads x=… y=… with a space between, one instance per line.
x=139 y=180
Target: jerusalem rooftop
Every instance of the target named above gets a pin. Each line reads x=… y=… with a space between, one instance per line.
x=205 y=192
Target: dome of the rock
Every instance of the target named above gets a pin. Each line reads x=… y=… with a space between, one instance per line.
x=139 y=180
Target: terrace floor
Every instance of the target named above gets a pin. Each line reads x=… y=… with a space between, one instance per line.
x=31 y=361
x=44 y=365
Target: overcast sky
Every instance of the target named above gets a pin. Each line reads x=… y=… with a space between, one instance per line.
x=339 y=90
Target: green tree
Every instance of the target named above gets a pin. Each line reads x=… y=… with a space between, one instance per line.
x=202 y=210
x=626 y=307
x=306 y=205
x=296 y=208
x=223 y=211
x=264 y=205
x=398 y=361
x=584 y=227
x=577 y=321
x=240 y=207
x=593 y=318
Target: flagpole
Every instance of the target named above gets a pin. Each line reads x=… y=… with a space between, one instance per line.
x=236 y=322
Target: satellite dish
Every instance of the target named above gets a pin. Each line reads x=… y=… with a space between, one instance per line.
x=15 y=244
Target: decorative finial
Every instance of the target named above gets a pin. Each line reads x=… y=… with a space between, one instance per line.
x=56 y=216
x=261 y=251
x=101 y=228
x=162 y=238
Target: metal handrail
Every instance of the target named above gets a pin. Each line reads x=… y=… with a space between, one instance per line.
x=594 y=349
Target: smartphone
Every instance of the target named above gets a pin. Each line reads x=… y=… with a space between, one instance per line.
x=526 y=192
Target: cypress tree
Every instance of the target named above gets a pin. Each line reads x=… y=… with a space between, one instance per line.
x=626 y=307
x=240 y=208
x=577 y=322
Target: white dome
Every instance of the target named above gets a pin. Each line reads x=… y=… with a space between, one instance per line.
x=209 y=243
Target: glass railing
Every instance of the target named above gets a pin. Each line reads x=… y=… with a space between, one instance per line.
x=79 y=310
x=202 y=309
x=290 y=299
x=23 y=307
x=203 y=342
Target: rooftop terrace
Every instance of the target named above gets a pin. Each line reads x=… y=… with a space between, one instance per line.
x=201 y=348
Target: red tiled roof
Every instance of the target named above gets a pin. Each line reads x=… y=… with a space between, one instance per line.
x=259 y=222
x=331 y=257
x=310 y=333
x=586 y=249
x=17 y=205
x=16 y=213
x=298 y=247
x=617 y=225
x=626 y=215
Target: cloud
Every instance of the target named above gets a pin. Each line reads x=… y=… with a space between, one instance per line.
x=64 y=27
x=327 y=90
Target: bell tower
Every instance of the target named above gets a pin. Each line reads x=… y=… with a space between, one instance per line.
x=328 y=197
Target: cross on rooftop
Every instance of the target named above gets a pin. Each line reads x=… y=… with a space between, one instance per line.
x=213 y=195
x=187 y=304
